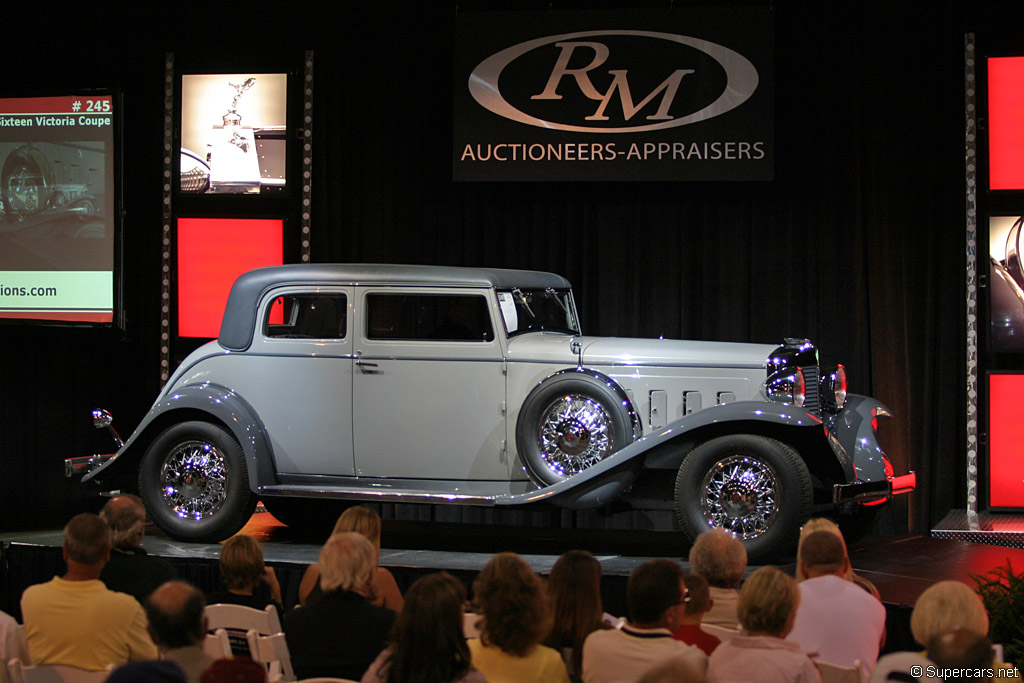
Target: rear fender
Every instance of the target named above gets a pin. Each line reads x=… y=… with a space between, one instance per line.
x=212 y=402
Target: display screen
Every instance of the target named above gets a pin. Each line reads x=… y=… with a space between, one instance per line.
x=1006 y=123
x=57 y=230
x=233 y=133
x=212 y=253
x=1006 y=433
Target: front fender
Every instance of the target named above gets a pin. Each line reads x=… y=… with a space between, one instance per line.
x=605 y=481
x=852 y=436
x=212 y=401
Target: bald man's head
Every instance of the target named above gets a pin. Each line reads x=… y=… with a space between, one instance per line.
x=175 y=614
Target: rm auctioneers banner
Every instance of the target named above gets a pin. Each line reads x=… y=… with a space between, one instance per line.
x=681 y=94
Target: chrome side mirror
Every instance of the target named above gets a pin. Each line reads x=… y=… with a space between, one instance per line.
x=100 y=419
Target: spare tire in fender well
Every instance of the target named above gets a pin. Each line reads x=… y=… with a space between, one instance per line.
x=571 y=420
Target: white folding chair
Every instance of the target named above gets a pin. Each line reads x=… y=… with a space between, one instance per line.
x=12 y=644
x=237 y=620
x=834 y=673
x=272 y=652
x=217 y=644
x=723 y=633
x=21 y=673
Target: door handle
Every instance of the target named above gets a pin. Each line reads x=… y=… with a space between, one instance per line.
x=363 y=363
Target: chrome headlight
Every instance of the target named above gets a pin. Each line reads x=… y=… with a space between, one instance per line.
x=833 y=388
x=787 y=387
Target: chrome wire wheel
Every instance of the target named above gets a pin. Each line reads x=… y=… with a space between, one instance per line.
x=741 y=495
x=23 y=191
x=574 y=432
x=194 y=480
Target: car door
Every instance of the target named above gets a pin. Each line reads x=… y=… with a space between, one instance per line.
x=299 y=379
x=428 y=387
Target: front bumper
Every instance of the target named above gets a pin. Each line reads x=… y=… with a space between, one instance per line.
x=874 y=492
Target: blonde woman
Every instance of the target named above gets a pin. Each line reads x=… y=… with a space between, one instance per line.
x=947 y=606
x=384 y=590
x=340 y=634
x=825 y=524
x=767 y=610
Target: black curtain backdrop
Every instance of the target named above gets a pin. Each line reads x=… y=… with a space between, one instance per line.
x=858 y=243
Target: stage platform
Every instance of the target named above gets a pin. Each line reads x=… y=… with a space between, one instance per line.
x=996 y=528
x=901 y=567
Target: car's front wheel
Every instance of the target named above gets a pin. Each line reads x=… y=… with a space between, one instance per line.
x=753 y=486
x=195 y=484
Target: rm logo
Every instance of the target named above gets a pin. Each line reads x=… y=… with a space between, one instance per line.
x=583 y=56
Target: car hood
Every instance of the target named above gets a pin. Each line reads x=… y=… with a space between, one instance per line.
x=547 y=346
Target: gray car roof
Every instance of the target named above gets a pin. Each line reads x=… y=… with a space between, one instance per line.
x=239 y=321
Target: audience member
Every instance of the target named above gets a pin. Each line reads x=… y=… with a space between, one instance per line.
x=12 y=644
x=77 y=621
x=574 y=592
x=721 y=559
x=700 y=603
x=826 y=524
x=515 y=619
x=147 y=672
x=672 y=671
x=767 y=608
x=238 y=670
x=428 y=645
x=946 y=606
x=384 y=590
x=248 y=581
x=837 y=621
x=130 y=569
x=962 y=655
x=656 y=597
x=340 y=634
x=178 y=627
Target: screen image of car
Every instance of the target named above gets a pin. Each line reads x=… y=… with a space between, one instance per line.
x=57 y=208
x=1006 y=277
x=233 y=133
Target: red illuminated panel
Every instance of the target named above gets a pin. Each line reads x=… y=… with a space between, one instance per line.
x=1006 y=441
x=212 y=253
x=1006 y=123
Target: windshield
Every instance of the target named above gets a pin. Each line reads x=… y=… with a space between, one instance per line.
x=533 y=310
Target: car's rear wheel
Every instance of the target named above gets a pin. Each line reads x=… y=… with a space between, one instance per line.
x=195 y=483
x=569 y=423
x=753 y=486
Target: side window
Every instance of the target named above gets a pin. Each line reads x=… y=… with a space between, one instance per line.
x=429 y=317
x=307 y=316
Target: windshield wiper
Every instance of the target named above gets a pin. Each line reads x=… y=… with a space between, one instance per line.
x=518 y=293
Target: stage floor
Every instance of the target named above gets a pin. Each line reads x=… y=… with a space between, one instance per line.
x=901 y=567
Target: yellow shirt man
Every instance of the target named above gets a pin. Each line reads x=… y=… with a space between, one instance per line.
x=83 y=624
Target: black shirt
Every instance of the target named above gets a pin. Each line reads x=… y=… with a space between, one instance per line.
x=338 y=636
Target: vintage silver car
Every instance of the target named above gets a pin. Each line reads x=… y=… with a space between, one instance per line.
x=476 y=386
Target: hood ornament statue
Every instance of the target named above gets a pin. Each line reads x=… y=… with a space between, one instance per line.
x=232 y=117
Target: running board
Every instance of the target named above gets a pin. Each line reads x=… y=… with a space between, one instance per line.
x=391 y=496
x=484 y=493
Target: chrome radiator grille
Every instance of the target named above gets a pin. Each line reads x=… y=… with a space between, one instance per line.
x=812 y=389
